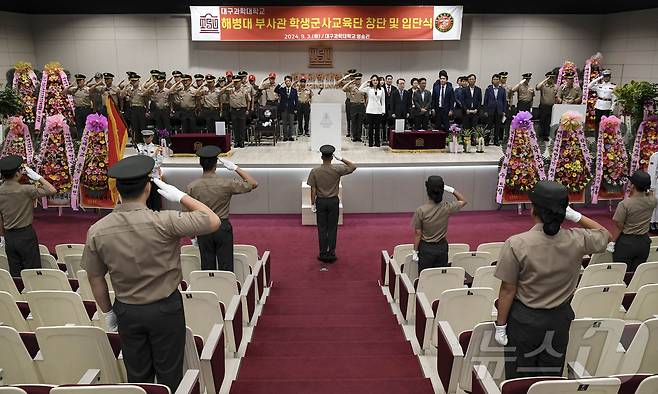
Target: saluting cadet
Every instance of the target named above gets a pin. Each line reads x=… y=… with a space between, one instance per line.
x=238 y=101
x=140 y=249
x=82 y=101
x=185 y=99
x=16 y=208
x=137 y=97
x=215 y=191
x=430 y=223
x=210 y=103
x=547 y=94
x=108 y=90
x=94 y=94
x=305 y=95
x=161 y=108
x=539 y=270
x=268 y=88
x=324 y=182
x=154 y=151
x=525 y=93
x=569 y=93
x=632 y=219
x=357 y=101
x=605 y=97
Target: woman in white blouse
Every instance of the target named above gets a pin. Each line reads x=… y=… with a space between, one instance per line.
x=375 y=109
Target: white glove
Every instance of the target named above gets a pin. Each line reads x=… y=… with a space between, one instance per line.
x=111 y=324
x=313 y=208
x=338 y=157
x=611 y=247
x=2 y=240
x=501 y=334
x=229 y=165
x=195 y=242
x=415 y=256
x=573 y=215
x=448 y=189
x=171 y=193
x=32 y=174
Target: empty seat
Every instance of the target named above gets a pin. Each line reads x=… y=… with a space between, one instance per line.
x=641 y=355
x=12 y=390
x=62 y=250
x=45 y=279
x=599 y=258
x=8 y=285
x=400 y=251
x=225 y=285
x=43 y=249
x=645 y=304
x=73 y=264
x=189 y=262
x=58 y=308
x=10 y=315
x=105 y=389
x=601 y=301
x=484 y=277
x=432 y=282
x=250 y=251
x=493 y=248
x=648 y=386
x=84 y=288
x=191 y=249
x=4 y=263
x=457 y=248
x=603 y=274
x=409 y=267
x=15 y=361
x=589 y=386
x=645 y=274
x=241 y=267
x=471 y=261
x=593 y=345
x=48 y=261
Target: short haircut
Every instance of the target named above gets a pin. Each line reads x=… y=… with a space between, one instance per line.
x=443 y=73
x=495 y=76
x=400 y=79
x=414 y=80
x=423 y=79
x=132 y=189
x=207 y=163
x=8 y=174
x=471 y=75
x=443 y=76
x=389 y=75
x=287 y=77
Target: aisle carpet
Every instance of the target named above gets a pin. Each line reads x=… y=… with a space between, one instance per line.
x=327 y=331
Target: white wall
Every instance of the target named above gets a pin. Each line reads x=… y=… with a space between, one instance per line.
x=629 y=44
x=16 y=41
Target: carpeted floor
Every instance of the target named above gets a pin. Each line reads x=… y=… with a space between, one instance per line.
x=327 y=331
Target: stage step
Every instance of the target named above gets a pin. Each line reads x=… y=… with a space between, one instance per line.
x=343 y=386
x=367 y=289
x=324 y=320
x=326 y=306
x=329 y=349
x=326 y=285
x=336 y=334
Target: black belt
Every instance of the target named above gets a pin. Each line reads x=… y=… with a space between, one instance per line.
x=326 y=198
x=15 y=230
x=441 y=242
x=604 y=99
x=271 y=102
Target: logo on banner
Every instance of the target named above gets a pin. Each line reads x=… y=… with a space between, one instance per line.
x=444 y=22
x=326 y=121
x=209 y=23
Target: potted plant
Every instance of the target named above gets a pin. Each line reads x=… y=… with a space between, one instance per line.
x=467 y=134
x=634 y=97
x=480 y=132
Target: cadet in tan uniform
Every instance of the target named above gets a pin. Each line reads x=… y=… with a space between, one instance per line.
x=632 y=219
x=357 y=101
x=216 y=191
x=95 y=94
x=525 y=93
x=267 y=87
x=569 y=93
x=137 y=98
x=324 y=182
x=140 y=249
x=210 y=103
x=161 y=104
x=238 y=101
x=547 y=91
x=539 y=270
x=305 y=95
x=108 y=90
x=339 y=84
x=185 y=99
x=509 y=95
x=82 y=101
x=430 y=223
x=16 y=207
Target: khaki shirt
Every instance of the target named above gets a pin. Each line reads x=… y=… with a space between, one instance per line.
x=238 y=98
x=161 y=97
x=570 y=95
x=17 y=203
x=525 y=93
x=546 y=268
x=186 y=98
x=432 y=219
x=354 y=95
x=224 y=97
x=635 y=213
x=210 y=99
x=508 y=93
x=547 y=94
x=140 y=249
x=112 y=91
x=305 y=95
x=268 y=91
x=326 y=178
x=137 y=97
x=81 y=97
x=216 y=191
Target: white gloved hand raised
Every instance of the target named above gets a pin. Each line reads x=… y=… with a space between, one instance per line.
x=111 y=323
x=501 y=334
x=229 y=165
x=171 y=193
x=313 y=208
x=573 y=215
x=32 y=174
x=611 y=247
x=338 y=157
x=448 y=189
x=415 y=256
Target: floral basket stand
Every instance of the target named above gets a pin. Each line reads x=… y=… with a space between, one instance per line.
x=646 y=144
x=53 y=99
x=25 y=84
x=19 y=142
x=611 y=162
x=591 y=72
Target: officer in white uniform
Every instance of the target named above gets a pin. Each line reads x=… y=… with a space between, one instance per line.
x=605 y=96
x=148 y=148
x=653 y=173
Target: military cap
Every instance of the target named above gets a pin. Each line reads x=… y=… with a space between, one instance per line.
x=208 y=151
x=351 y=71
x=98 y=75
x=221 y=79
x=358 y=75
x=243 y=74
x=229 y=73
x=130 y=73
x=210 y=77
x=132 y=168
x=176 y=73
x=147 y=132
x=10 y=163
x=134 y=77
x=160 y=77
x=80 y=76
x=569 y=74
x=252 y=77
x=503 y=74
x=302 y=79
x=641 y=180
x=198 y=76
x=108 y=75
x=187 y=76
x=154 y=72
x=550 y=74
x=527 y=75
x=327 y=150
x=607 y=73
x=272 y=75
x=550 y=195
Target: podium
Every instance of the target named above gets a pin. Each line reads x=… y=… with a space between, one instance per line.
x=326 y=125
x=308 y=216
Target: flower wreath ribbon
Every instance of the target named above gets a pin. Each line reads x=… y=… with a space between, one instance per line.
x=41 y=101
x=80 y=162
x=27 y=140
x=598 y=176
x=68 y=144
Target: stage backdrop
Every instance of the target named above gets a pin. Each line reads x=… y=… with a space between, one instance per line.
x=334 y=23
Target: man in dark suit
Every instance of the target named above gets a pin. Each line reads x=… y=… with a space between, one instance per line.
x=288 y=101
x=443 y=100
x=389 y=123
x=400 y=101
x=458 y=94
x=472 y=101
x=422 y=102
x=495 y=103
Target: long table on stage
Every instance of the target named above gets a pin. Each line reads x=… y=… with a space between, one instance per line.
x=189 y=143
x=417 y=141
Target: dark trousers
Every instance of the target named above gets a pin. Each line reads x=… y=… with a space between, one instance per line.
x=81 y=114
x=153 y=340
x=210 y=116
x=348 y=115
x=239 y=121
x=22 y=248
x=374 y=128
x=632 y=250
x=287 y=121
x=357 y=114
x=545 y=112
x=327 y=218
x=470 y=120
x=187 y=119
x=303 y=117
x=495 y=125
x=161 y=119
x=538 y=340
x=216 y=248
x=442 y=121
x=154 y=201
x=421 y=120
x=432 y=254
x=137 y=121
x=524 y=106
x=225 y=115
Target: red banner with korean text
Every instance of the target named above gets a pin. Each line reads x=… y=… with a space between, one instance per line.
x=325 y=23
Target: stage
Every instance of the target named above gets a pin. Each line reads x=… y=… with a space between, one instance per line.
x=384 y=182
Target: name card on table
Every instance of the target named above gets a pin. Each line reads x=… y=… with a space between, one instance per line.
x=399 y=125
x=220 y=128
